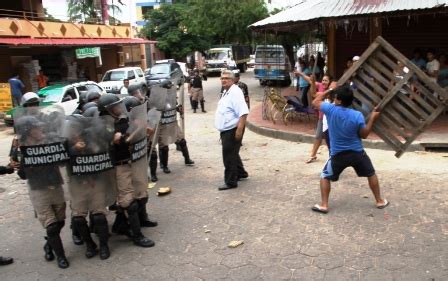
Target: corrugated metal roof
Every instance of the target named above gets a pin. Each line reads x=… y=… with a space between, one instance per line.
x=306 y=10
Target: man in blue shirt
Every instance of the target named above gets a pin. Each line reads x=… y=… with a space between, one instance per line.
x=346 y=127
x=16 y=89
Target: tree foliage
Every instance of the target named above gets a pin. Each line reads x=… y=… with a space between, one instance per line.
x=168 y=25
x=190 y=25
x=88 y=11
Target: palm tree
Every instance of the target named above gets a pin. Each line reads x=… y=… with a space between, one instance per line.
x=89 y=11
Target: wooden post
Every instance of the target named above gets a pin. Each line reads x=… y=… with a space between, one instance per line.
x=376 y=28
x=143 y=56
x=331 y=43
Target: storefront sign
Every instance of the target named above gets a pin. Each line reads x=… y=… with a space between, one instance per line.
x=5 y=97
x=83 y=53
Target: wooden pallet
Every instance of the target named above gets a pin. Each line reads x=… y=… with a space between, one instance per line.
x=409 y=100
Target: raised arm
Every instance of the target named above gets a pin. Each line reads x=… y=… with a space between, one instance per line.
x=364 y=132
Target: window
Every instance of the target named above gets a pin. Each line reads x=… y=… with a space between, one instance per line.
x=139 y=72
x=92 y=87
x=69 y=95
x=114 y=76
x=131 y=75
x=160 y=69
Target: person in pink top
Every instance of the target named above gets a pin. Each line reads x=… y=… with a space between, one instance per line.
x=321 y=87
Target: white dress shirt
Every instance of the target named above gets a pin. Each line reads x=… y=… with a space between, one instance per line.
x=231 y=107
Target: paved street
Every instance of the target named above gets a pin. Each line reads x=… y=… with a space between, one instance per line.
x=270 y=212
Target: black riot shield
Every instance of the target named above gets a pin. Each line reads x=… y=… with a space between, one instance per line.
x=43 y=150
x=91 y=180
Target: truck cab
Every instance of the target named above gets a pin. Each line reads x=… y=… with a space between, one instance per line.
x=219 y=59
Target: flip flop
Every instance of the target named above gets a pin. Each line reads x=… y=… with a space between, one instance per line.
x=311 y=159
x=386 y=203
x=319 y=209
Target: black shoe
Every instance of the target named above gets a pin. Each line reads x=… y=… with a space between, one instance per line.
x=189 y=162
x=104 y=252
x=243 y=176
x=226 y=186
x=204 y=111
x=154 y=178
x=142 y=241
x=166 y=170
x=77 y=240
x=194 y=110
x=148 y=223
x=6 y=260
x=62 y=262
x=49 y=256
x=91 y=250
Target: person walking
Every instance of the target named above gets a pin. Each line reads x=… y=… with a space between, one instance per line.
x=17 y=87
x=230 y=121
x=346 y=127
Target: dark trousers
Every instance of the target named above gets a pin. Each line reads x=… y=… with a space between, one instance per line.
x=233 y=166
x=304 y=95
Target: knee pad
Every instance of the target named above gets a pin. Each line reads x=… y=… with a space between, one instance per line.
x=182 y=142
x=133 y=208
x=99 y=219
x=53 y=229
x=79 y=220
x=163 y=149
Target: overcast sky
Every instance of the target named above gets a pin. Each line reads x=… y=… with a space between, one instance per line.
x=58 y=8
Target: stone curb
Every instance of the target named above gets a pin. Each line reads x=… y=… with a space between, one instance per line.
x=306 y=138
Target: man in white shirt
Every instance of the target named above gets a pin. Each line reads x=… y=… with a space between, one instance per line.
x=230 y=120
x=124 y=88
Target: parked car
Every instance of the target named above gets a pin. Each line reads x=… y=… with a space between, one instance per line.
x=67 y=96
x=113 y=79
x=165 y=70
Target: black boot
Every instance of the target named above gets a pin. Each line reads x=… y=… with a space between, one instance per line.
x=134 y=223
x=185 y=153
x=80 y=224
x=202 y=106
x=163 y=155
x=55 y=242
x=120 y=226
x=143 y=214
x=178 y=146
x=91 y=223
x=49 y=256
x=75 y=235
x=195 y=106
x=153 y=166
x=102 y=229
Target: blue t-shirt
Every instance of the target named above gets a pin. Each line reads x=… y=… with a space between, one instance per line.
x=16 y=87
x=419 y=62
x=302 y=81
x=343 y=125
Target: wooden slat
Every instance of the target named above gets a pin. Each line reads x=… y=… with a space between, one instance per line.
x=384 y=119
x=377 y=75
x=364 y=89
x=421 y=101
x=403 y=98
x=380 y=131
x=377 y=64
x=398 y=117
x=376 y=87
x=349 y=73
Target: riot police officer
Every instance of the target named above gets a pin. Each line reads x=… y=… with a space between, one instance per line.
x=197 y=92
x=139 y=145
x=90 y=176
x=37 y=133
x=111 y=105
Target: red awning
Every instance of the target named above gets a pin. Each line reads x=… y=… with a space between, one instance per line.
x=73 y=41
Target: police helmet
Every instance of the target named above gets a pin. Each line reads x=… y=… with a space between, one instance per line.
x=106 y=101
x=91 y=112
x=89 y=105
x=30 y=99
x=92 y=95
x=133 y=88
x=131 y=102
x=25 y=124
x=82 y=97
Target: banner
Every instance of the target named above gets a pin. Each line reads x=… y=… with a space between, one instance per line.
x=83 y=53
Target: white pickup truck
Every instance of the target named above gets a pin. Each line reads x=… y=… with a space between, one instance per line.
x=112 y=80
